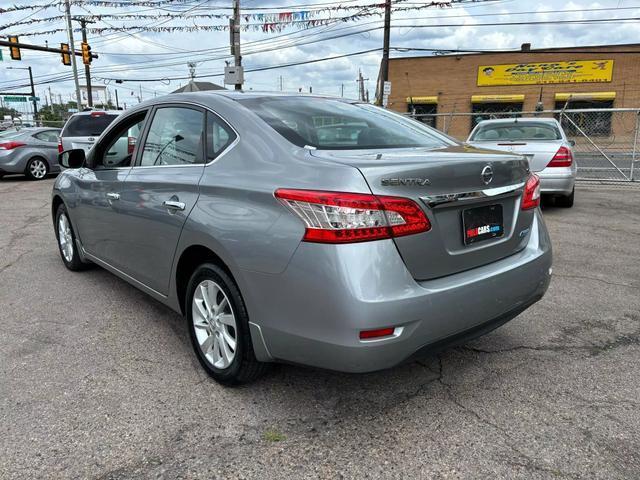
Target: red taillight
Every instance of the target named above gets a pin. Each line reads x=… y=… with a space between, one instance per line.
x=531 y=195
x=381 y=332
x=11 y=145
x=97 y=114
x=562 y=158
x=336 y=217
x=131 y=145
x=60 y=147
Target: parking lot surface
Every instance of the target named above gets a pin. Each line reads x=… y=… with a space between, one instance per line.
x=97 y=380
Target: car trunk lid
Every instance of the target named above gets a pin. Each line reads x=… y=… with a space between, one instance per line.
x=538 y=153
x=445 y=183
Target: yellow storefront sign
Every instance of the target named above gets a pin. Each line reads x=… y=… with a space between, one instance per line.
x=578 y=71
x=497 y=98
x=422 y=100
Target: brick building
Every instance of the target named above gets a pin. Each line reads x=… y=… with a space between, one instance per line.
x=606 y=76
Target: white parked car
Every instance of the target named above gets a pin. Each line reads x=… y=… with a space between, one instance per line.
x=543 y=142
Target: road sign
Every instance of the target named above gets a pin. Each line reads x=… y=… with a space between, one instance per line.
x=386 y=89
x=15 y=99
x=31 y=99
x=0 y=54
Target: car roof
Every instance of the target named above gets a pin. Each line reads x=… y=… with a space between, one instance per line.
x=236 y=95
x=89 y=112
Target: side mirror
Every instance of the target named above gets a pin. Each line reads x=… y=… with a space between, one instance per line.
x=72 y=158
x=572 y=143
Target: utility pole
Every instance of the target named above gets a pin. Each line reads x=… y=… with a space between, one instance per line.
x=117 y=104
x=361 y=94
x=280 y=82
x=236 y=39
x=72 y=48
x=342 y=89
x=33 y=90
x=87 y=68
x=384 y=67
x=33 y=96
x=140 y=88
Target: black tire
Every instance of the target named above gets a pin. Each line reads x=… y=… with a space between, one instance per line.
x=29 y=170
x=74 y=263
x=244 y=367
x=566 y=202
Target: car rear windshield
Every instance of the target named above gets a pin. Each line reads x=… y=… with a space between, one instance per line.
x=329 y=124
x=87 y=125
x=516 y=131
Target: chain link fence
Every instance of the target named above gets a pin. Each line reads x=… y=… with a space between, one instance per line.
x=606 y=139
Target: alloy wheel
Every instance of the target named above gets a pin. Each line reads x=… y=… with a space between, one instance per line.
x=214 y=324
x=65 y=238
x=37 y=168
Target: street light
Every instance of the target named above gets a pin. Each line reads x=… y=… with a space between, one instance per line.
x=33 y=91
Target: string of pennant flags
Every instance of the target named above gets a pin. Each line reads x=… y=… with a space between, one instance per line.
x=254 y=22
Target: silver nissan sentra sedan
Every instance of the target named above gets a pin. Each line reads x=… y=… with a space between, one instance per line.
x=304 y=229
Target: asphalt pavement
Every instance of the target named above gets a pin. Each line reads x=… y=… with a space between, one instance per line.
x=97 y=380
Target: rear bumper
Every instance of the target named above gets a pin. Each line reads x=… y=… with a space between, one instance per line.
x=557 y=181
x=12 y=162
x=313 y=312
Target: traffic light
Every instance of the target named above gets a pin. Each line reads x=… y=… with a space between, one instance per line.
x=15 y=51
x=86 y=53
x=66 y=55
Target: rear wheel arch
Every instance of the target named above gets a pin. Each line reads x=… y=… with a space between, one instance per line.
x=190 y=259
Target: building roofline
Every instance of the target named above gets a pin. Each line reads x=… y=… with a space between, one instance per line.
x=576 y=49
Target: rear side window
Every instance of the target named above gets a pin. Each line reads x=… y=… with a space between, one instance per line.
x=516 y=131
x=91 y=125
x=219 y=136
x=48 y=136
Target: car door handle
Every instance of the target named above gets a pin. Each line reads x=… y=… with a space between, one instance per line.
x=173 y=205
x=113 y=196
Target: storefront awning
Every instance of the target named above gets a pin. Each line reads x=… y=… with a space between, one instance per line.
x=422 y=100
x=497 y=98
x=563 y=97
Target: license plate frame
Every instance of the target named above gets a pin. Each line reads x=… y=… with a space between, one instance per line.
x=482 y=223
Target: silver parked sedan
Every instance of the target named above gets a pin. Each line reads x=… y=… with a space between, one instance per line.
x=282 y=238
x=31 y=151
x=543 y=142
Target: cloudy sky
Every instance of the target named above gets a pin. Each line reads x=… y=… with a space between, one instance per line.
x=137 y=54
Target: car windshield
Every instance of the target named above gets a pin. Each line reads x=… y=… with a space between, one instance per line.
x=516 y=131
x=87 y=125
x=329 y=124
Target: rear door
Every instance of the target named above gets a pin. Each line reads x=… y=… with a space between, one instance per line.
x=160 y=192
x=458 y=188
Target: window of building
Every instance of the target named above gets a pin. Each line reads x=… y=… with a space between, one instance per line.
x=488 y=111
x=594 y=123
x=425 y=113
